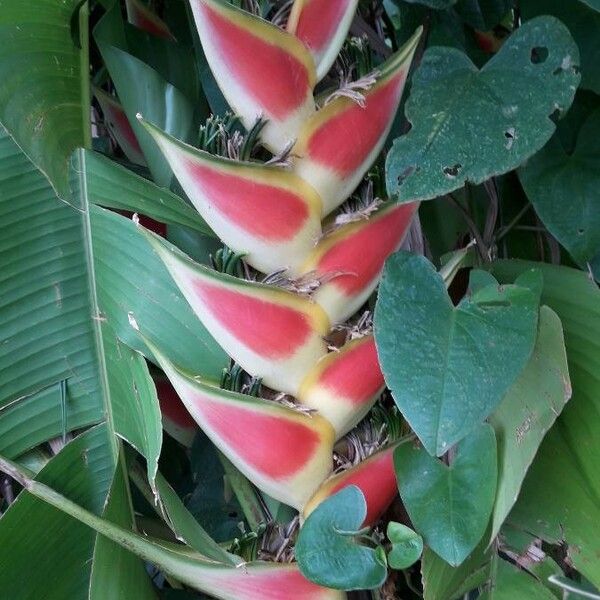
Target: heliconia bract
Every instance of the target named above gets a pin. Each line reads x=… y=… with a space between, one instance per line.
x=141 y=16
x=271 y=332
x=374 y=476
x=344 y=385
x=284 y=452
x=261 y=70
x=265 y=212
x=176 y=419
x=322 y=25
x=341 y=141
x=118 y=124
x=351 y=258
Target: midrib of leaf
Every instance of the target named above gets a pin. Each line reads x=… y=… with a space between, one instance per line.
x=96 y=315
x=84 y=56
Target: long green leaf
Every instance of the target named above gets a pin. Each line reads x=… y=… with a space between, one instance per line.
x=560 y=499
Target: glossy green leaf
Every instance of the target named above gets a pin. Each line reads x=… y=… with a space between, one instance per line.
x=483 y=14
x=44 y=98
x=564 y=474
x=113 y=186
x=468 y=125
x=583 y=23
x=449 y=367
x=407 y=546
x=569 y=587
x=328 y=551
x=595 y=4
x=528 y=411
x=46 y=554
x=564 y=190
x=435 y=4
x=450 y=505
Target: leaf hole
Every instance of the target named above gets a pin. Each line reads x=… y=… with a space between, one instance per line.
x=453 y=171
x=233 y=515
x=580 y=231
x=539 y=54
x=511 y=135
x=406 y=174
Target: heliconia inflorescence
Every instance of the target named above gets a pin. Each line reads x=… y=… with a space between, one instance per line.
x=272 y=214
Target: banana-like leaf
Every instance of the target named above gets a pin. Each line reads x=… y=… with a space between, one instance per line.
x=272 y=333
x=261 y=70
x=43 y=102
x=284 y=452
x=251 y=581
x=141 y=16
x=265 y=212
x=350 y=259
x=344 y=385
x=375 y=477
x=117 y=123
x=323 y=26
x=69 y=560
x=341 y=141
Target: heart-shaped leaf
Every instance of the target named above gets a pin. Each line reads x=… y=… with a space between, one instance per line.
x=468 y=125
x=449 y=367
x=450 y=506
x=407 y=546
x=564 y=190
x=328 y=551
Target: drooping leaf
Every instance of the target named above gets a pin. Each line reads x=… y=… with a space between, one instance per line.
x=449 y=367
x=583 y=22
x=327 y=550
x=60 y=557
x=255 y=581
x=44 y=98
x=407 y=546
x=528 y=411
x=450 y=506
x=564 y=474
x=470 y=124
x=563 y=189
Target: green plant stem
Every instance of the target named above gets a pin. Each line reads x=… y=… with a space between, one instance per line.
x=252 y=507
x=508 y=228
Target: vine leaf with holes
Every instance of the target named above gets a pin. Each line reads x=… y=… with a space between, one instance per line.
x=469 y=125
